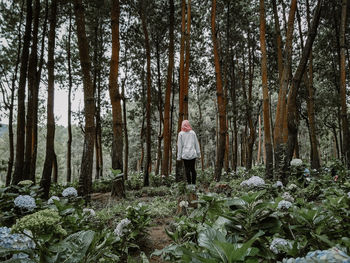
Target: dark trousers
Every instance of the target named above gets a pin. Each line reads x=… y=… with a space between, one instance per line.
x=190 y=170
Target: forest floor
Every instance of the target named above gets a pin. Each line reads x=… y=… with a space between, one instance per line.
x=156 y=238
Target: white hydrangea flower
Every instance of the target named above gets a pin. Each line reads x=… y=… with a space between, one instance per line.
x=183 y=204
x=278 y=184
x=191 y=187
x=284 y=204
x=286 y=196
x=25 y=202
x=69 y=192
x=278 y=243
x=296 y=162
x=253 y=181
x=50 y=201
x=120 y=230
x=292 y=187
x=89 y=212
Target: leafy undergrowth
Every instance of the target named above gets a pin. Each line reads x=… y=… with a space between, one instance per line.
x=244 y=218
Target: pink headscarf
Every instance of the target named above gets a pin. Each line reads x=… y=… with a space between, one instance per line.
x=186 y=126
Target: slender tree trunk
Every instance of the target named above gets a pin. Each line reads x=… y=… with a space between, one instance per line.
x=36 y=96
x=148 y=104
x=126 y=153
x=117 y=145
x=234 y=113
x=220 y=98
x=344 y=118
x=171 y=124
x=45 y=182
x=315 y=160
x=160 y=110
x=70 y=86
x=18 y=173
x=182 y=65
x=32 y=69
x=292 y=104
x=187 y=59
x=85 y=178
x=265 y=90
x=166 y=128
x=279 y=43
x=280 y=131
x=11 y=105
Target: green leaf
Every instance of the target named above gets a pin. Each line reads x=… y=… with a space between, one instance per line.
x=72 y=249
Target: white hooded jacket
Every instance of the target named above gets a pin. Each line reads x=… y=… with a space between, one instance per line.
x=187 y=146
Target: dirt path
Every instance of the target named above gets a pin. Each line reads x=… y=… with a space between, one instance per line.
x=157 y=238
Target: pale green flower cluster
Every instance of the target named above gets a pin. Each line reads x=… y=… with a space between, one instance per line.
x=42 y=222
x=25 y=182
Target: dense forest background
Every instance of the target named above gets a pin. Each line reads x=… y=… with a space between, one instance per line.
x=160 y=62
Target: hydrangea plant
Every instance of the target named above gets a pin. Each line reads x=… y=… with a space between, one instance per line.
x=50 y=201
x=279 y=244
x=89 y=212
x=25 y=202
x=284 y=205
x=121 y=228
x=296 y=162
x=253 y=182
x=70 y=192
x=42 y=222
x=333 y=255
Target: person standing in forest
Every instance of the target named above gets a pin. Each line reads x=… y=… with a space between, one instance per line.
x=188 y=150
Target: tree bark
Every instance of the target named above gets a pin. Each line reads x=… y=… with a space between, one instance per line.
x=280 y=131
x=18 y=173
x=36 y=96
x=117 y=145
x=70 y=86
x=344 y=118
x=291 y=104
x=187 y=59
x=85 y=178
x=160 y=111
x=32 y=69
x=166 y=128
x=12 y=98
x=45 y=182
x=220 y=98
x=265 y=90
x=148 y=104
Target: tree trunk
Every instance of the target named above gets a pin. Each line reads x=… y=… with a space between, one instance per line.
x=148 y=105
x=280 y=131
x=11 y=104
x=160 y=110
x=45 y=182
x=166 y=128
x=265 y=90
x=344 y=118
x=187 y=59
x=85 y=178
x=126 y=153
x=279 y=43
x=36 y=96
x=117 y=145
x=18 y=173
x=291 y=104
x=70 y=86
x=32 y=69
x=234 y=114
x=220 y=98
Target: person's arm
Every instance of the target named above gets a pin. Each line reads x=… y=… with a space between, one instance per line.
x=179 y=147
x=196 y=145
